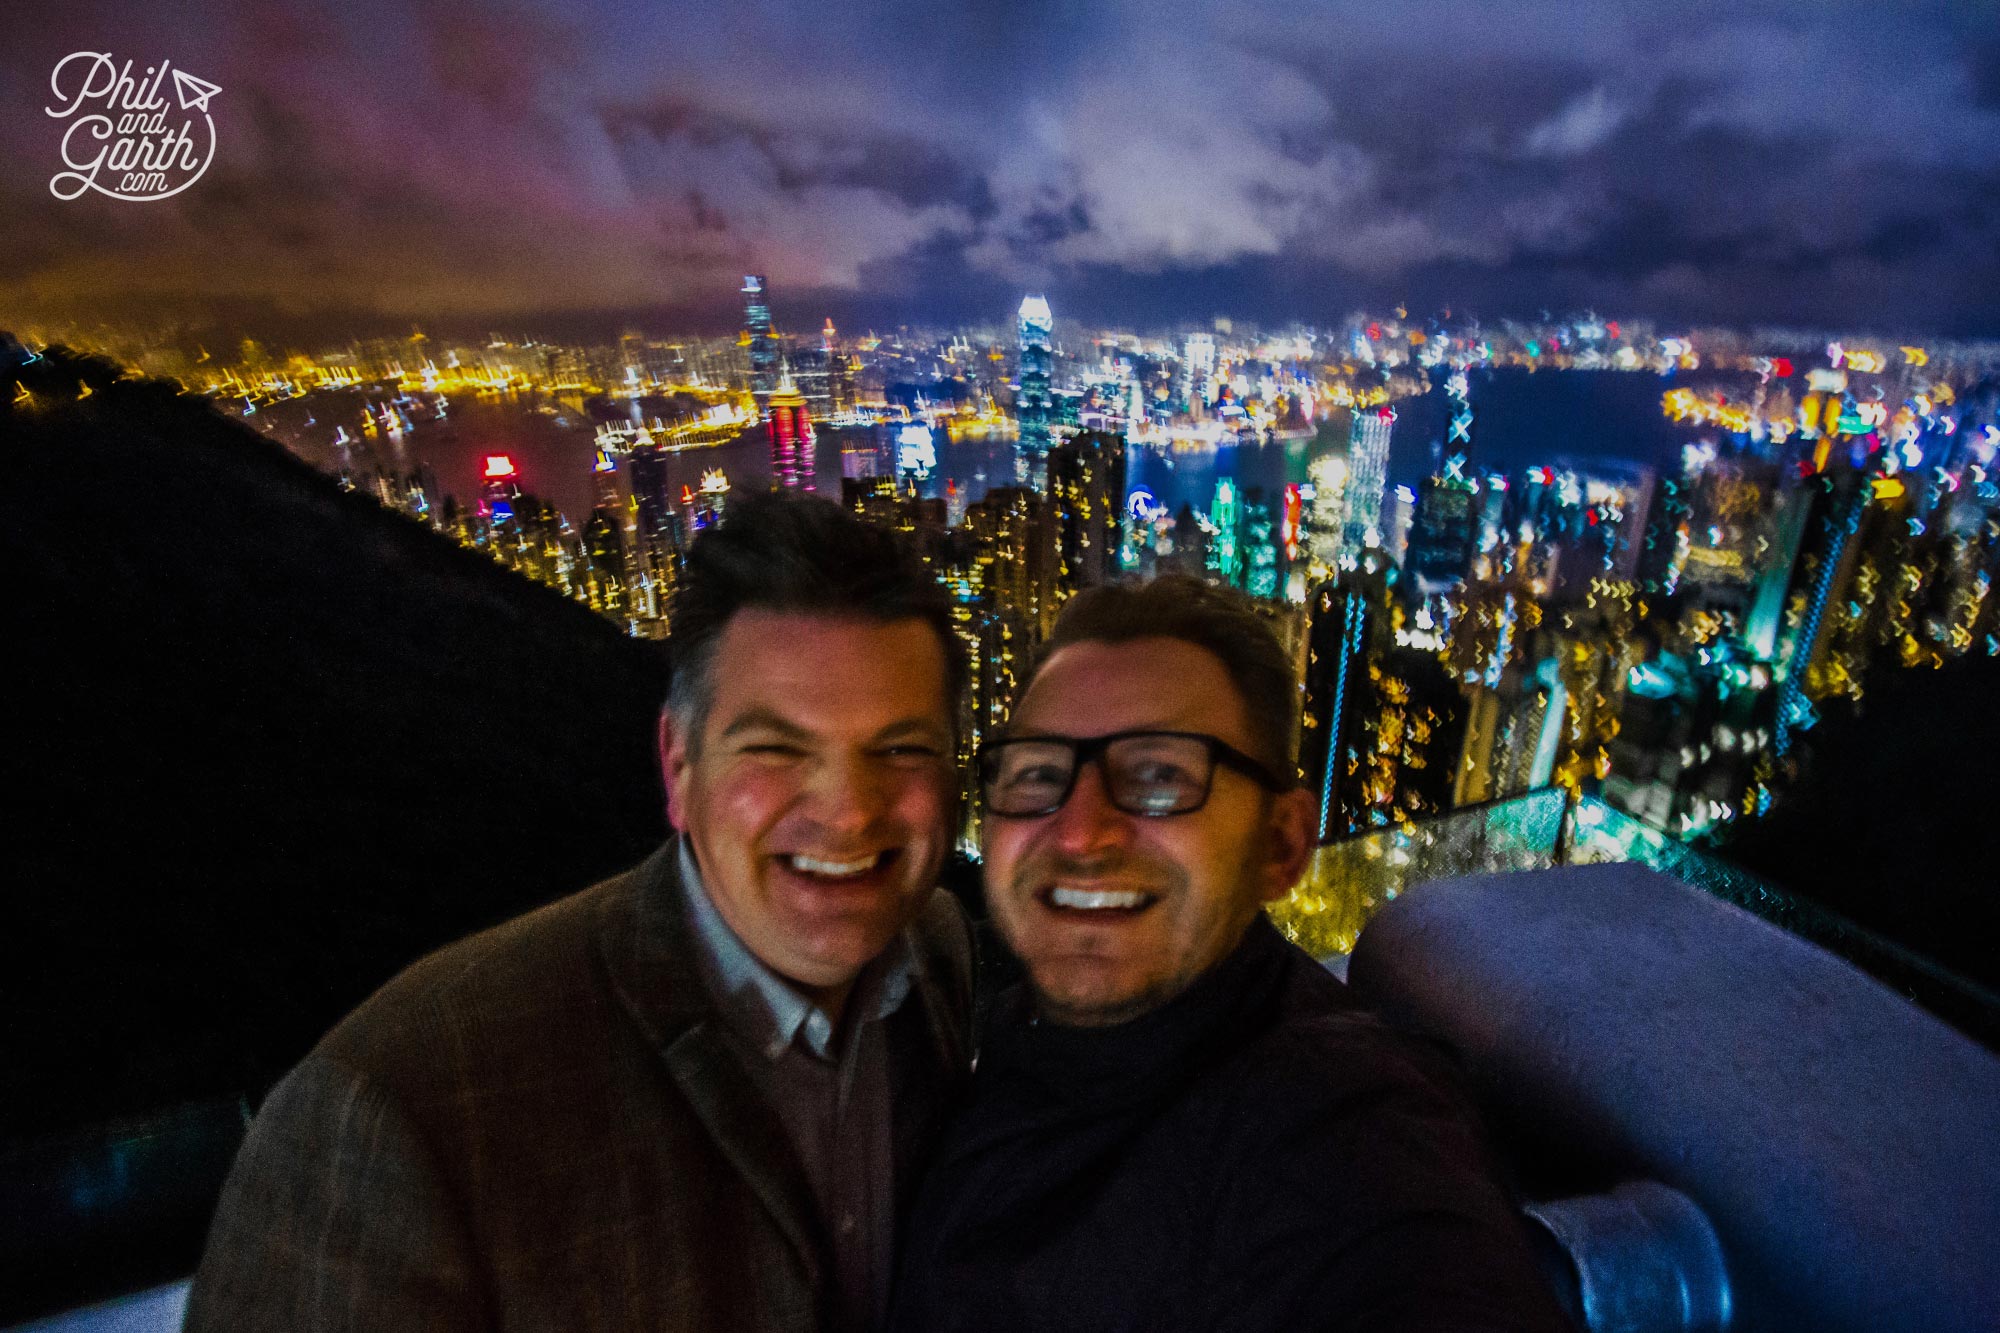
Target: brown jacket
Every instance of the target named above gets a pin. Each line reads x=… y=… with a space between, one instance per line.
x=541 y=1127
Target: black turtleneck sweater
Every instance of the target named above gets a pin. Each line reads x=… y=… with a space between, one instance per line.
x=1256 y=1154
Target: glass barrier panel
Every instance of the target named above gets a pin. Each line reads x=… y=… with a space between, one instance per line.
x=1348 y=881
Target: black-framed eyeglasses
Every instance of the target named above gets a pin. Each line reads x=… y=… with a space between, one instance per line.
x=1145 y=772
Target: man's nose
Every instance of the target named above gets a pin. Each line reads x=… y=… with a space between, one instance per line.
x=1088 y=821
x=845 y=794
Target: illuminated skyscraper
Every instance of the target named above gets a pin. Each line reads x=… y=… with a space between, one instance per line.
x=1224 y=556
x=839 y=392
x=605 y=473
x=1342 y=615
x=887 y=503
x=1017 y=557
x=1766 y=618
x=1258 y=533
x=809 y=375
x=631 y=368
x=1730 y=498
x=1087 y=493
x=763 y=343
x=1383 y=718
x=790 y=428
x=617 y=510
x=1036 y=401
x=652 y=497
x=1444 y=535
x=1813 y=659
x=1190 y=550
x=657 y=544
x=1516 y=705
x=604 y=565
x=867 y=451
x=1291 y=546
x=1664 y=542
x=1198 y=387
x=1325 y=513
x=1367 y=473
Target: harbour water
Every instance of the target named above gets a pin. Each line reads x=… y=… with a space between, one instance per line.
x=1523 y=419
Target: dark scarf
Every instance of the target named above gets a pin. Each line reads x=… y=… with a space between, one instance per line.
x=1051 y=1105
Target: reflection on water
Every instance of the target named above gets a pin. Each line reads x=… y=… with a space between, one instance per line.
x=551 y=440
x=1522 y=419
x=1190 y=476
x=549 y=437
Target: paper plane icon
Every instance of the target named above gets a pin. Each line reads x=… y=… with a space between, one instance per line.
x=193 y=92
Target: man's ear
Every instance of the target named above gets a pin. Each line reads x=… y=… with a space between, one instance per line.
x=1289 y=835
x=674 y=765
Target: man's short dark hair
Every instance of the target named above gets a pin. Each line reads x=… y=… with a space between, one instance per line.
x=796 y=554
x=1207 y=615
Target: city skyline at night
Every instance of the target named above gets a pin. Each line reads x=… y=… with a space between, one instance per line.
x=1620 y=566
x=1647 y=609
x=1599 y=405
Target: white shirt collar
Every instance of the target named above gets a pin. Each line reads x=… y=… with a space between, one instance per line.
x=763 y=1005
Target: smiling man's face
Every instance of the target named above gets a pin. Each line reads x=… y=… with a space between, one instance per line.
x=1114 y=914
x=819 y=795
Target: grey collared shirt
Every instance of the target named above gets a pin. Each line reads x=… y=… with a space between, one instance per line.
x=829 y=1085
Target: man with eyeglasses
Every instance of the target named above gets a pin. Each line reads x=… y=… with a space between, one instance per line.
x=1182 y=1121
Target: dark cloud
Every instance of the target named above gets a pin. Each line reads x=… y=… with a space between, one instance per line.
x=914 y=172
x=1982 y=67
x=1138 y=159
x=1045 y=226
x=1899 y=238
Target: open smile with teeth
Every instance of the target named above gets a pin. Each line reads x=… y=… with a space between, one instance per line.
x=1097 y=900
x=820 y=868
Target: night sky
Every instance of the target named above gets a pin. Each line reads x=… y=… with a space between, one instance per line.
x=566 y=166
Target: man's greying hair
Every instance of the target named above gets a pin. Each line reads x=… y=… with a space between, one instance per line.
x=1219 y=619
x=799 y=555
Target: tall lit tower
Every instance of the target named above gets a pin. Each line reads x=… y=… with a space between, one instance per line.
x=1223 y=517
x=657 y=545
x=1036 y=401
x=763 y=343
x=1445 y=534
x=790 y=427
x=1198 y=372
x=605 y=472
x=1086 y=489
x=837 y=389
x=1367 y=472
x=1341 y=618
x=1325 y=514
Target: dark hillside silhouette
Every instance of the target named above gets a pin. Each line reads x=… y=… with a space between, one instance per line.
x=267 y=743
x=1891 y=822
